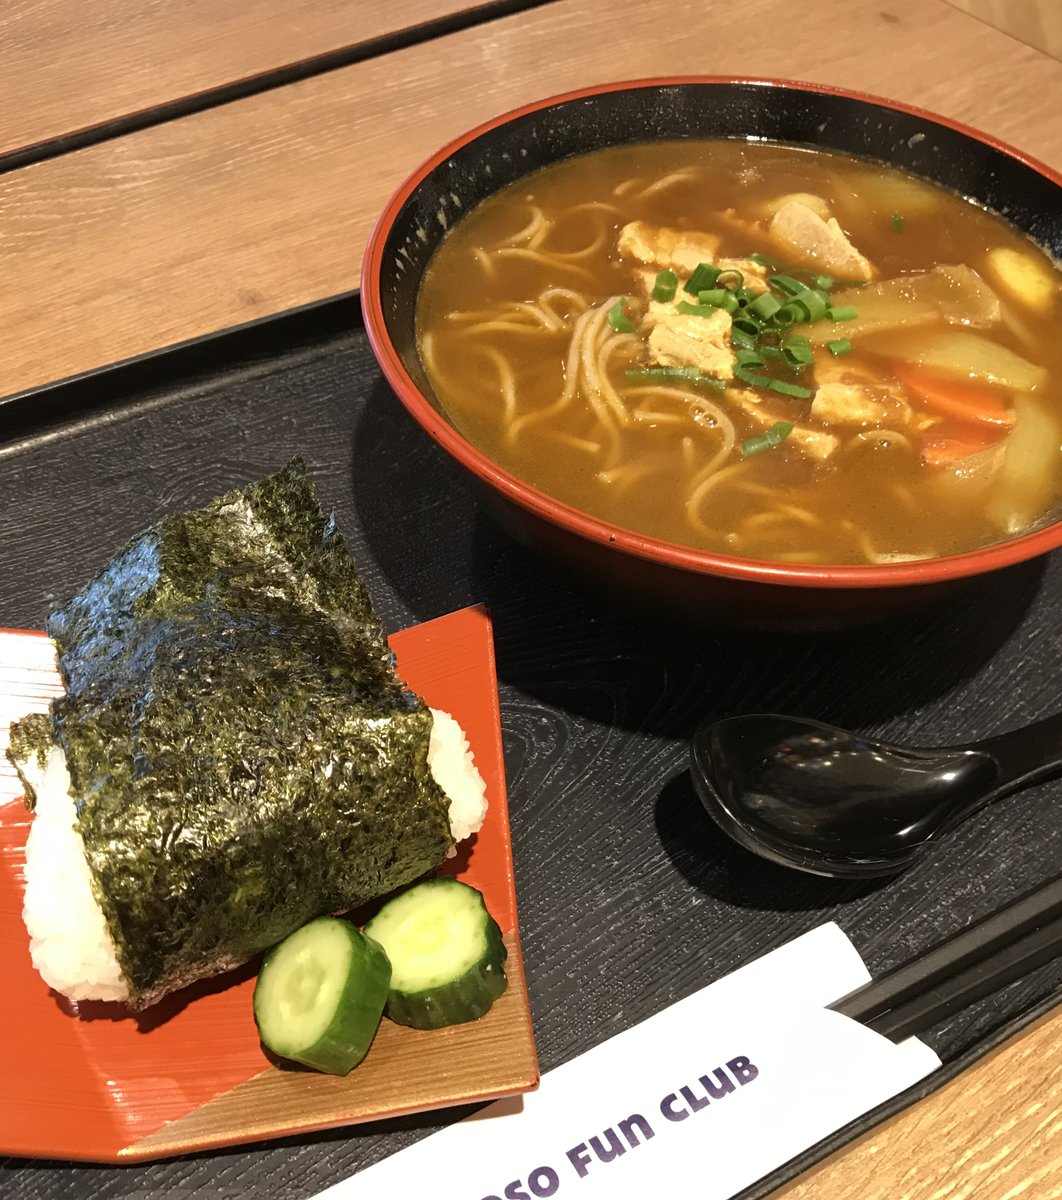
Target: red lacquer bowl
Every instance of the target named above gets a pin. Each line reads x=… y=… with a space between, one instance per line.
x=628 y=564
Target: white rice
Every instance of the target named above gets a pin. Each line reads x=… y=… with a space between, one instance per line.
x=454 y=770
x=70 y=944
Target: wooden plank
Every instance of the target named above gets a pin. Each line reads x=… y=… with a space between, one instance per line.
x=68 y=67
x=993 y=1133
x=1036 y=22
x=266 y=203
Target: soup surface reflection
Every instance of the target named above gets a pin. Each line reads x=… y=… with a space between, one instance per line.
x=756 y=349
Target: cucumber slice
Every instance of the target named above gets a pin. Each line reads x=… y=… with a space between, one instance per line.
x=320 y=995
x=446 y=954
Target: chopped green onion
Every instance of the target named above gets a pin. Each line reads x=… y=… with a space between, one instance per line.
x=898 y=222
x=839 y=346
x=763 y=260
x=748 y=358
x=664 y=373
x=815 y=304
x=765 y=306
x=788 y=315
x=697 y=310
x=666 y=286
x=845 y=312
x=790 y=389
x=786 y=284
x=770 y=352
x=689 y=374
x=775 y=385
x=741 y=339
x=730 y=279
x=750 y=377
x=797 y=351
x=618 y=319
x=744 y=295
x=767 y=440
x=703 y=277
x=824 y=282
x=745 y=324
x=719 y=298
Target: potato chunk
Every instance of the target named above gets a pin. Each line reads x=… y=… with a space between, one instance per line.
x=1023 y=278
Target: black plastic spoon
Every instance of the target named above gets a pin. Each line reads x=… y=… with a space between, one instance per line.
x=835 y=803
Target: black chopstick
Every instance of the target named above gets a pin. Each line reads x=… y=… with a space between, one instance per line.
x=964 y=968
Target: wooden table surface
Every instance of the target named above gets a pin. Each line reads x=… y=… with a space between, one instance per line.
x=143 y=205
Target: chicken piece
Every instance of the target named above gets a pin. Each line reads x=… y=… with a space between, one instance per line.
x=803 y=233
x=814 y=443
x=683 y=340
x=846 y=404
x=839 y=370
x=661 y=246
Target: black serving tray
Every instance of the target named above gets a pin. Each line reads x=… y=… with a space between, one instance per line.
x=630 y=898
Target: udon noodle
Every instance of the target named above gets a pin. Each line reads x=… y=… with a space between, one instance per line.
x=755 y=349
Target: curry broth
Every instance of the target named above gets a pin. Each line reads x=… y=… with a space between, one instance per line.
x=873 y=500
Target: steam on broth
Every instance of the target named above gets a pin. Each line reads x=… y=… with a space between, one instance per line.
x=778 y=353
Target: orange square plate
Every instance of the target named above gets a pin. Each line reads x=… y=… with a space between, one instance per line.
x=191 y=1074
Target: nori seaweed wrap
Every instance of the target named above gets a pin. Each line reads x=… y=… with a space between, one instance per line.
x=242 y=755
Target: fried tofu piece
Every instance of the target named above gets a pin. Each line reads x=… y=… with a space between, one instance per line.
x=682 y=340
x=814 y=443
x=645 y=277
x=804 y=236
x=661 y=247
x=846 y=404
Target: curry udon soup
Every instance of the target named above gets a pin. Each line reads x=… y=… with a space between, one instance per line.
x=772 y=352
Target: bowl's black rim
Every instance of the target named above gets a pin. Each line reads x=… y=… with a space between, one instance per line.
x=656 y=550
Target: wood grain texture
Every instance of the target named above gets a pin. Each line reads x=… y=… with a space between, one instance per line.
x=1036 y=22
x=406 y=1071
x=67 y=66
x=993 y=1133
x=266 y=203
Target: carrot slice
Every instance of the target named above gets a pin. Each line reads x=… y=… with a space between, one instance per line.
x=958 y=400
x=949 y=441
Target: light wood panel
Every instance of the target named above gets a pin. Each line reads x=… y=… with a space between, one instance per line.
x=406 y=1071
x=67 y=66
x=993 y=1133
x=266 y=203
x=1037 y=22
